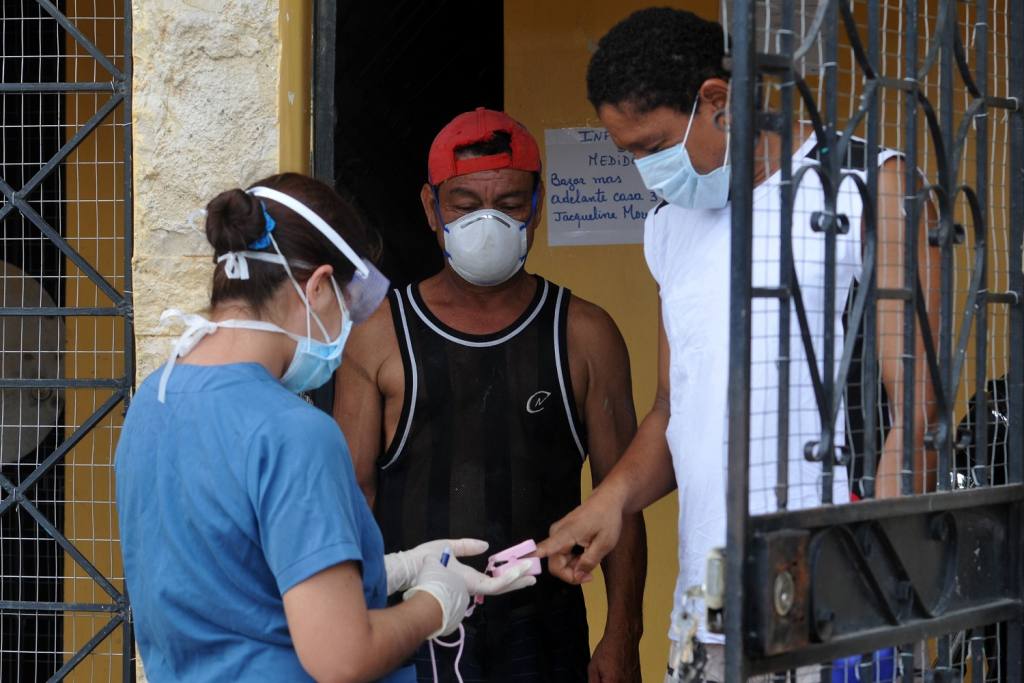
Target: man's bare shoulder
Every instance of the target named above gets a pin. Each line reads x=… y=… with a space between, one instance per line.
x=597 y=352
x=372 y=341
x=588 y=322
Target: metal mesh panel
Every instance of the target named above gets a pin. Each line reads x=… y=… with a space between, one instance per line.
x=65 y=337
x=882 y=280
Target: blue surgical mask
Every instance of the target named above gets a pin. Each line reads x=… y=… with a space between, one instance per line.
x=312 y=364
x=315 y=361
x=670 y=175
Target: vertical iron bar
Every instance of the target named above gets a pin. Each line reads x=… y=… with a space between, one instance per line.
x=788 y=44
x=1015 y=451
x=1016 y=135
x=977 y=644
x=910 y=240
x=324 y=112
x=129 y=210
x=869 y=358
x=906 y=660
x=742 y=123
x=979 y=469
x=946 y=207
x=830 y=164
x=866 y=668
x=127 y=623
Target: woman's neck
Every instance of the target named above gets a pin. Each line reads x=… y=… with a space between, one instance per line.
x=227 y=345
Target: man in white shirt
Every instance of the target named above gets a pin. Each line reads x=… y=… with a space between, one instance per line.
x=658 y=85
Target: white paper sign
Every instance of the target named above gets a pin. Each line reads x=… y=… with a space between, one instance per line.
x=594 y=193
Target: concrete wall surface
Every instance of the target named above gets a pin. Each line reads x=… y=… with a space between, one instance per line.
x=205 y=115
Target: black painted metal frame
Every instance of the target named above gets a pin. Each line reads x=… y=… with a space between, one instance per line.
x=324 y=113
x=119 y=88
x=858 y=527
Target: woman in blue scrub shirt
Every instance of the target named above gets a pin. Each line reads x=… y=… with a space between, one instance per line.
x=249 y=550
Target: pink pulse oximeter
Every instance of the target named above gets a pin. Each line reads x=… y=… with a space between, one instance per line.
x=498 y=563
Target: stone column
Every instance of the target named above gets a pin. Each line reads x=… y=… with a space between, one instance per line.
x=205 y=115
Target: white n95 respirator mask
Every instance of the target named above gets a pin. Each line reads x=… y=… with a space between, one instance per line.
x=485 y=247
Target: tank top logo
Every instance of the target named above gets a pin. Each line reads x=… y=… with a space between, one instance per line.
x=535 y=403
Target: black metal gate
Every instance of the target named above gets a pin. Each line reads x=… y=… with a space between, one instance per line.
x=66 y=338
x=926 y=585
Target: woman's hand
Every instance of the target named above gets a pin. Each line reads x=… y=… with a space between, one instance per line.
x=402 y=567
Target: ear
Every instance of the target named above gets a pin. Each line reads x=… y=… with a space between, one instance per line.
x=429 y=202
x=715 y=92
x=319 y=290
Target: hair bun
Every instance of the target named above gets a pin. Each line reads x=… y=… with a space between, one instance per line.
x=234 y=219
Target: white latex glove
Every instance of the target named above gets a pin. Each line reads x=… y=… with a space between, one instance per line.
x=478 y=583
x=403 y=566
x=447 y=587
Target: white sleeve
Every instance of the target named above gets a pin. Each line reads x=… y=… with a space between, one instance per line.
x=652 y=244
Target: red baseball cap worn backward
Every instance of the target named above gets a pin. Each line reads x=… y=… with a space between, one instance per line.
x=476 y=126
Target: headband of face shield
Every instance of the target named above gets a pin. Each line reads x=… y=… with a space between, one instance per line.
x=362 y=294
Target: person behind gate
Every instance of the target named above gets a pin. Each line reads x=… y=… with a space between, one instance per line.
x=659 y=87
x=472 y=399
x=249 y=551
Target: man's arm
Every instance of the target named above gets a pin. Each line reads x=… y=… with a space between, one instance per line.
x=643 y=475
x=890 y=275
x=611 y=425
x=358 y=400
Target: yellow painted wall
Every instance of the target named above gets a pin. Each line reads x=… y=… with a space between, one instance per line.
x=294 y=95
x=547 y=48
x=94 y=227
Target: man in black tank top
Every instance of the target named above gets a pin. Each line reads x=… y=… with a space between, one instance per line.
x=470 y=402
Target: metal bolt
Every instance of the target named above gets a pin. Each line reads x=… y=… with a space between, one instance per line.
x=811 y=453
x=784 y=593
x=842 y=224
x=959 y=233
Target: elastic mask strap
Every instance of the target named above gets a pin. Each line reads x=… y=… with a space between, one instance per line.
x=437 y=208
x=310 y=313
x=301 y=293
x=689 y=124
x=728 y=128
x=533 y=202
x=345 y=315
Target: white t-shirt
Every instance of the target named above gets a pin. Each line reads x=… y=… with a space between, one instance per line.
x=688 y=253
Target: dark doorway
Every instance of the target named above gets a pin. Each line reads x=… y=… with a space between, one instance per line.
x=401 y=71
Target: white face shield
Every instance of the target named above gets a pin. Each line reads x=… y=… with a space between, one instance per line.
x=363 y=293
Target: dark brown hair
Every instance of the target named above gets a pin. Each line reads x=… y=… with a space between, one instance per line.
x=235 y=219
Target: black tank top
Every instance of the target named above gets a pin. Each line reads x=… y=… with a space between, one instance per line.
x=489 y=445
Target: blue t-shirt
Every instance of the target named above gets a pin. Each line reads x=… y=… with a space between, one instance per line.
x=229 y=494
